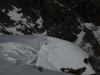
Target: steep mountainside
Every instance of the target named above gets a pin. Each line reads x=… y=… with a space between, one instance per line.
x=73 y=20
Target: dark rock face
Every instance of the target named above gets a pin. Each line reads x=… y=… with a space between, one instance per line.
x=65 y=19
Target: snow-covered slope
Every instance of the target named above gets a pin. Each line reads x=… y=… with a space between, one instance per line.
x=7 y=68
x=18 y=53
x=56 y=54
x=16 y=57
x=53 y=53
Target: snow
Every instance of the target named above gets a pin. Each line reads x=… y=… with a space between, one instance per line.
x=88 y=25
x=14 y=31
x=16 y=16
x=21 y=53
x=45 y=33
x=18 y=26
x=40 y=22
x=80 y=38
x=7 y=68
x=12 y=59
x=62 y=54
x=97 y=34
x=18 y=53
x=21 y=21
x=88 y=48
x=19 y=18
x=9 y=50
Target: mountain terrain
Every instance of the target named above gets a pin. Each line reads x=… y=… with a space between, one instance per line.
x=77 y=21
x=73 y=20
x=53 y=54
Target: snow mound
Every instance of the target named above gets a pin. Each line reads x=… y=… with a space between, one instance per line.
x=18 y=53
x=56 y=54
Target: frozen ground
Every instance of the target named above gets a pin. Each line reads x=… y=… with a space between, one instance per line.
x=21 y=53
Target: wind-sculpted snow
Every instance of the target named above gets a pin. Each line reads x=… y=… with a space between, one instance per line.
x=42 y=51
x=7 y=68
x=62 y=54
x=18 y=53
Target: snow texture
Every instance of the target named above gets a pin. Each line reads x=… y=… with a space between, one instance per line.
x=19 y=54
x=62 y=54
x=12 y=48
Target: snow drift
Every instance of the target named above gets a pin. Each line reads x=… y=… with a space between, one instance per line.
x=53 y=53
x=56 y=54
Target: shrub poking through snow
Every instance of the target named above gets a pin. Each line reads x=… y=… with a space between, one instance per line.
x=74 y=71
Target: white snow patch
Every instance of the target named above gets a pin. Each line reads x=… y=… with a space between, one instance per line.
x=16 y=16
x=18 y=26
x=14 y=31
x=88 y=25
x=97 y=34
x=89 y=70
x=80 y=38
x=40 y=22
x=19 y=18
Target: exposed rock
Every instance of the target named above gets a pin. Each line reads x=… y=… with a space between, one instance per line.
x=76 y=72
